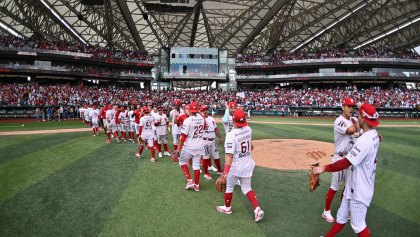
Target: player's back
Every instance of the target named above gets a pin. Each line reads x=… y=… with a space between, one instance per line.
x=238 y=142
x=193 y=127
x=147 y=125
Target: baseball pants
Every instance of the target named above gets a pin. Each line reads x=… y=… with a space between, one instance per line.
x=211 y=149
x=148 y=140
x=162 y=139
x=112 y=127
x=357 y=212
x=187 y=154
x=122 y=127
x=95 y=124
x=232 y=180
x=337 y=177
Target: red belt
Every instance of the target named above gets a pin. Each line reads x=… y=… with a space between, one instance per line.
x=208 y=139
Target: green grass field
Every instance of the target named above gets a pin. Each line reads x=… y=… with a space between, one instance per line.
x=74 y=184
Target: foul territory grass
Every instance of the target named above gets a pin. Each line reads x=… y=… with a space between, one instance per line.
x=77 y=185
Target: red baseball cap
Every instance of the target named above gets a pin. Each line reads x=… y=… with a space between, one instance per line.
x=232 y=105
x=239 y=118
x=177 y=103
x=194 y=107
x=349 y=101
x=122 y=108
x=204 y=107
x=369 y=114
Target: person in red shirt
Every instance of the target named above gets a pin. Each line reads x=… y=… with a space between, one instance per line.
x=137 y=115
x=102 y=117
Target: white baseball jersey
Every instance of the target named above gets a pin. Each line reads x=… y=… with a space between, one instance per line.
x=238 y=143
x=81 y=112
x=193 y=127
x=175 y=128
x=130 y=116
x=361 y=176
x=111 y=116
x=123 y=117
x=210 y=128
x=342 y=141
x=86 y=113
x=161 y=128
x=229 y=125
x=94 y=114
x=147 y=123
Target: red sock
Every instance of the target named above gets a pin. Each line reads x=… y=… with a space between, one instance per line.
x=165 y=146
x=205 y=166
x=132 y=135
x=209 y=162
x=141 y=149
x=155 y=143
x=196 y=176
x=97 y=130
x=364 y=233
x=159 y=147
x=252 y=197
x=335 y=229
x=175 y=147
x=116 y=135
x=109 y=135
x=124 y=135
x=153 y=152
x=228 y=199
x=94 y=131
x=218 y=165
x=329 y=199
x=186 y=171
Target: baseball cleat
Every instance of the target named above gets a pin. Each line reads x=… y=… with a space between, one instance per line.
x=108 y=141
x=94 y=135
x=259 y=214
x=212 y=168
x=153 y=160
x=189 y=185
x=327 y=216
x=160 y=154
x=167 y=153
x=219 y=173
x=223 y=209
x=197 y=187
x=208 y=176
x=138 y=155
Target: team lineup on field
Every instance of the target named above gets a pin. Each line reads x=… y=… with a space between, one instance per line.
x=196 y=137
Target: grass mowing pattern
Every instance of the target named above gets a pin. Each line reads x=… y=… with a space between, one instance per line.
x=109 y=192
x=17 y=126
x=75 y=200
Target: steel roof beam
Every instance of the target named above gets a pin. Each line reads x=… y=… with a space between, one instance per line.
x=130 y=23
x=267 y=18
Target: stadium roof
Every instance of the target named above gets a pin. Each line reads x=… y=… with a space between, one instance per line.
x=240 y=26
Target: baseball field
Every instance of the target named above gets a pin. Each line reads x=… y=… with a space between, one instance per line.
x=74 y=184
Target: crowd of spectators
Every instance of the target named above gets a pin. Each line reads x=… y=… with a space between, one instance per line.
x=77 y=47
x=33 y=94
x=325 y=53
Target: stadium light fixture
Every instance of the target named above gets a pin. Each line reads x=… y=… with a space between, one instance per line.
x=62 y=21
x=29 y=78
x=330 y=26
x=10 y=30
x=388 y=33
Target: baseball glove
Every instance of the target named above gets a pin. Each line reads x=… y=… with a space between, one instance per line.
x=313 y=178
x=175 y=156
x=221 y=184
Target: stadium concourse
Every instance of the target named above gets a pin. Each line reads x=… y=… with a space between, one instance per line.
x=53 y=95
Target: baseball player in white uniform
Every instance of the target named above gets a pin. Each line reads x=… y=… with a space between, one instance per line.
x=360 y=179
x=146 y=133
x=174 y=114
x=111 y=123
x=94 y=117
x=345 y=126
x=239 y=164
x=227 y=118
x=162 y=126
x=131 y=126
x=123 y=122
x=210 y=145
x=86 y=115
x=191 y=143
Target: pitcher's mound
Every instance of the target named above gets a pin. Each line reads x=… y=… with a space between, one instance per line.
x=291 y=154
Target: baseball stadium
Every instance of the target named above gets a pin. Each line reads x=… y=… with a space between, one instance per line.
x=295 y=118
